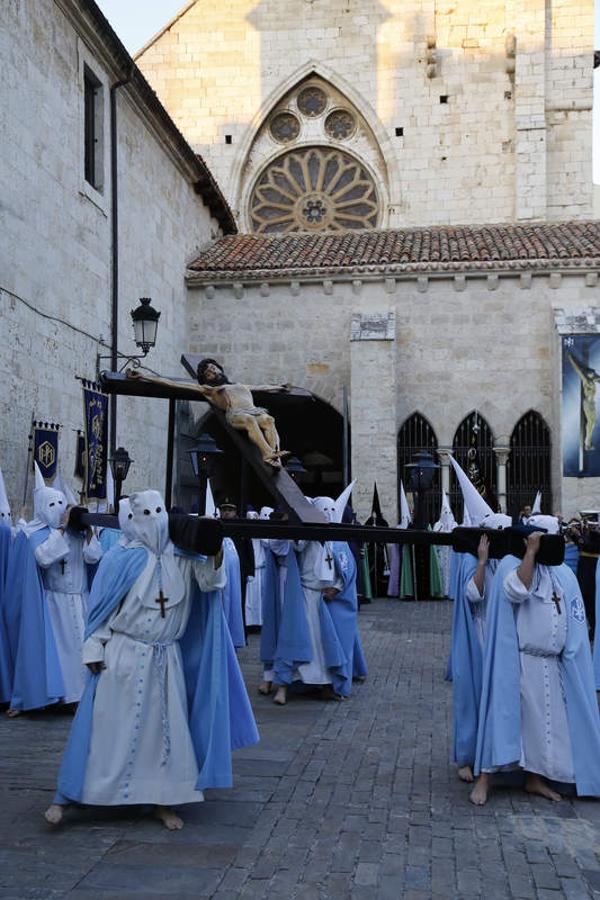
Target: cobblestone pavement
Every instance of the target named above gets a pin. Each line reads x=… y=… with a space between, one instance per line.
x=352 y=800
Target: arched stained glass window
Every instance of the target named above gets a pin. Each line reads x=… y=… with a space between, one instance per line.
x=529 y=465
x=416 y=434
x=473 y=450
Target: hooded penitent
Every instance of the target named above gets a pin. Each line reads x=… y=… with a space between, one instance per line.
x=536 y=509
x=333 y=510
x=49 y=505
x=446 y=522
x=5 y=515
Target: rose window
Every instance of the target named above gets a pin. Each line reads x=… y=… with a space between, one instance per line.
x=312 y=101
x=313 y=189
x=285 y=127
x=340 y=124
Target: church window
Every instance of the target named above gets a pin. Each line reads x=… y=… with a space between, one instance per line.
x=399 y=132
x=340 y=124
x=312 y=101
x=313 y=189
x=473 y=448
x=285 y=127
x=229 y=139
x=529 y=465
x=414 y=435
x=443 y=98
x=93 y=116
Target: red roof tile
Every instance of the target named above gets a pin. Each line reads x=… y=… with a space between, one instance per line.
x=397 y=251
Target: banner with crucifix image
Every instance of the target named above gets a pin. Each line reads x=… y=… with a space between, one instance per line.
x=45 y=447
x=580 y=399
x=95 y=433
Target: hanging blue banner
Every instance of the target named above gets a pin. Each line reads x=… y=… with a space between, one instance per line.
x=45 y=447
x=80 y=456
x=95 y=417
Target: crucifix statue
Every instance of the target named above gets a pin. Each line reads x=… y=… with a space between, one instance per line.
x=235 y=400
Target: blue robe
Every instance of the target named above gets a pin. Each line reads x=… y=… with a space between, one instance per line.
x=343 y=610
x=285 y=636
x=232 y=594
x=456 y=561
x=467 y=665
x=37 y=676
x=220 y=716
x=6 y=667
x=499 y=734
x=597 y=630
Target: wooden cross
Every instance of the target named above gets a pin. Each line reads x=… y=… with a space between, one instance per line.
x=329 y=559
x=162 y=600
x=556 y=601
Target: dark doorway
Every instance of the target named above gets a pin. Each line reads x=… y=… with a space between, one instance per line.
x=310 y=429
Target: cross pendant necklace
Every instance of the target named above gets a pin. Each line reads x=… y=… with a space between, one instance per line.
x=556 y=601
x=329 y=558
x=162 y=600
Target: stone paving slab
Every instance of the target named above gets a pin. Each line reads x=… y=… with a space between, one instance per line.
x=338 y=802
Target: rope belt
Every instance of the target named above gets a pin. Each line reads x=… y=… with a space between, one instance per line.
x=543 y=654
x=160 y=661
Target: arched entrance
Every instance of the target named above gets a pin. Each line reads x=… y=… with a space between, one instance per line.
x=416 y=433
x=473 y=448
x=310 y=428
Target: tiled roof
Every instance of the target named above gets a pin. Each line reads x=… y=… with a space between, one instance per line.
x=398 y=251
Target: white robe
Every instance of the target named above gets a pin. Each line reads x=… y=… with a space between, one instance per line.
x=66 y=600
x=542 y=632
x=255 y=585
x=141 y=749
x=316 y=574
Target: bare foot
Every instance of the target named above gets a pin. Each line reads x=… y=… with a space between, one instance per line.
x=169 y=818
x=329 y=694
x=466 y=774
x=54 y=814
x=280 y=697
x=479 y=794
x=13 y=713
x=536 y=785
x=265 y=688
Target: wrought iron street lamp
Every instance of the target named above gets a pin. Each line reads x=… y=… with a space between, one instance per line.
x=120 y=463
x=294 y=468
x=200 y=455
x=145 y=326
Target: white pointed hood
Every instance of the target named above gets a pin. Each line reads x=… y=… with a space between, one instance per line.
x=60 y=484
x=475 y=505
x=5 y=515
x=446 y=521
x=333 y=510
x=49 y=505
x=108 y=504
x=536 y=509
x=405 y=516
x=265 y=512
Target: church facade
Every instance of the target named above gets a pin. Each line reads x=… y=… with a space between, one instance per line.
x=365 y=148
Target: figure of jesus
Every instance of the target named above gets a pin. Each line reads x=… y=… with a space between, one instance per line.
x=235 y=400
x=589 y=379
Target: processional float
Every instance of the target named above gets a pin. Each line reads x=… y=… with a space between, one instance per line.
x=304 y=521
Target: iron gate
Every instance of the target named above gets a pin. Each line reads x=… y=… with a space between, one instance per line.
x=528 y=469
x=473 y=442
x=417 y=434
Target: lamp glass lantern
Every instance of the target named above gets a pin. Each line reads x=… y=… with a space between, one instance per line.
x=120 y=463
x=205 y=448
x=145 y=324
x=421 y=471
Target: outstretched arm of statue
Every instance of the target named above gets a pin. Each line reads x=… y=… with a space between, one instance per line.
x=192 y=390
x=577 y=367
x=271 y=388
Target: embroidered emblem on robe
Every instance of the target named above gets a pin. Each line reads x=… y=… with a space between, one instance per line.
x=578 y=610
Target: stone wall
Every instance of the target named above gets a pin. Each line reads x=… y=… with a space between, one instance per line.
x=457 y=344
x=482 y=109
x=55 y=252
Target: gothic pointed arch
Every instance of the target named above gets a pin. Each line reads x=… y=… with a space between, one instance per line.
x=314 y=164
x=473 y=449
x=416 y=433
x=529 y=465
